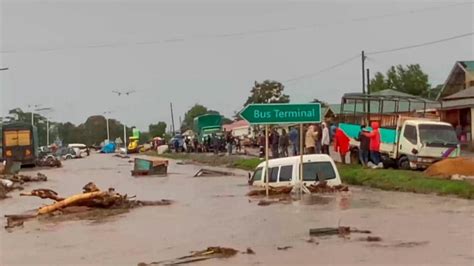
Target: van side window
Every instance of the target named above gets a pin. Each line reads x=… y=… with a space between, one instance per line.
x=257 y=175
x=273 y=174
x=318 y=171
x=410 y=134
x=286 y=173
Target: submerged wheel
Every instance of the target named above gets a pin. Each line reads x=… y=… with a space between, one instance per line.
x=404 y=163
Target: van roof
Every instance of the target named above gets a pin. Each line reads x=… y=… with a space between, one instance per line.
x=76 y=144
x=296 y=160
x=427 y=122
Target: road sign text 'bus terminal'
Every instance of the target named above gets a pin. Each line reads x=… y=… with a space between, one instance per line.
x=282 y=113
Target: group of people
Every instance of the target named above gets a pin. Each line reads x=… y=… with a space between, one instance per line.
x=317 y=140
x=369 y=144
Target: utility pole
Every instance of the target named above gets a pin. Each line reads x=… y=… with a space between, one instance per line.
x=363 y=72
x=4 y=68
x=172 y=119
x=365 y=101
x=368 y=93
x=107 y=123
x=126 y=93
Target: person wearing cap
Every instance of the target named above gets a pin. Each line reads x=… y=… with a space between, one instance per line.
x=364 y=145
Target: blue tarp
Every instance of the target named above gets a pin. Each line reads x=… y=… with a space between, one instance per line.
x=108 y=148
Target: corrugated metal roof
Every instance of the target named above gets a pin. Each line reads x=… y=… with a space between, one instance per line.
x=469 y=65
x=388 y=107
x=458 y=103
x=466 y=93
x=390 y=92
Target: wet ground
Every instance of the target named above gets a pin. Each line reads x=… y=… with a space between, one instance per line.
x=416 y=229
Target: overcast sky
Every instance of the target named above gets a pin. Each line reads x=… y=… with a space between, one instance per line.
x=177 y=51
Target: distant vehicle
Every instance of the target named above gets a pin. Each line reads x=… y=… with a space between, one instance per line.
x=178 y=140
x=206 y=125
x=409 y=139
x=81 y=149
x=20 y=142
x=286 y=171
x=67 y=153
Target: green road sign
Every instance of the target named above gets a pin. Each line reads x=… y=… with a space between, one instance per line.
x=283 y=113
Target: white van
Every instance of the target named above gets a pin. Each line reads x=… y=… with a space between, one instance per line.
x=285 y=171
x=79 y=148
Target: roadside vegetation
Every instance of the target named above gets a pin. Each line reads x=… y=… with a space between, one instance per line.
x=385 y=179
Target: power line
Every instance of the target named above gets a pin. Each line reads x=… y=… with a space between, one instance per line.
x=421 y=44
x=240 y=34
x=378 y=52
x=323 y=70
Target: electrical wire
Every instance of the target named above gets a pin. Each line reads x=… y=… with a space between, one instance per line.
x=378 y=52
x=420 y=44
x=345 y=61
x=240 y=34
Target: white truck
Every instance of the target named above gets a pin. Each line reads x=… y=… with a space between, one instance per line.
x=412 y=136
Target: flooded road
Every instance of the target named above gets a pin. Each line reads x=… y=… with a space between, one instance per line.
x=415 y=229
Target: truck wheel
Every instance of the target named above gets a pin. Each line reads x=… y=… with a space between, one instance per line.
x=355 y=156
x=404 y=163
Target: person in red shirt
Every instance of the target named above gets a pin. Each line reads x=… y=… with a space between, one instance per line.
x=374 y=147
x=341 y=144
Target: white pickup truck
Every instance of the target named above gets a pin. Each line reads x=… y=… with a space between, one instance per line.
x=409 y=140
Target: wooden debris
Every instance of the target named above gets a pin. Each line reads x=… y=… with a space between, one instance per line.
x=371 y=239
x=273 y=201
x=284 y=248
x=70 y=201
x=43 y=193
x=341 y=231
x=272 y=191
x=209 y=253
x=211 y=173
x=249 y=251
x=91 y=199
x=26 y=178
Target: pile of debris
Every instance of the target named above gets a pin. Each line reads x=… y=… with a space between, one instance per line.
x=323 y=187
x=211 y=173
x=320 y=187
x=452 y=168
x=343 y=232
x=9 y=183
x=272 y=191
x=91 y=198
x=49 y=161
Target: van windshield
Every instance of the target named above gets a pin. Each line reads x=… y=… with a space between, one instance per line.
x=437 y=135
x=318 y=171
x=257 y=175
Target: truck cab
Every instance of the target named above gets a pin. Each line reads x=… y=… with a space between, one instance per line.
x=421 y=143
x=411 y=134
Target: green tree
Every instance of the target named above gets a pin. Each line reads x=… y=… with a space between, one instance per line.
x=378 y=83
x=157 y=130
x=195 y=111
x=269 y=91
x=433 y=93
x=410 y=79
x=323 y=103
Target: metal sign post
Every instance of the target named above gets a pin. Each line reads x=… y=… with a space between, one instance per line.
x=267 y=176
x=301 y=153
x=277 y=114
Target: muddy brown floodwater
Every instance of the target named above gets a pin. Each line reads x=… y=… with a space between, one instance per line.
x=214 y=211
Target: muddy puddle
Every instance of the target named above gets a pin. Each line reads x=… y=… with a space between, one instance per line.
x=415 y=229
